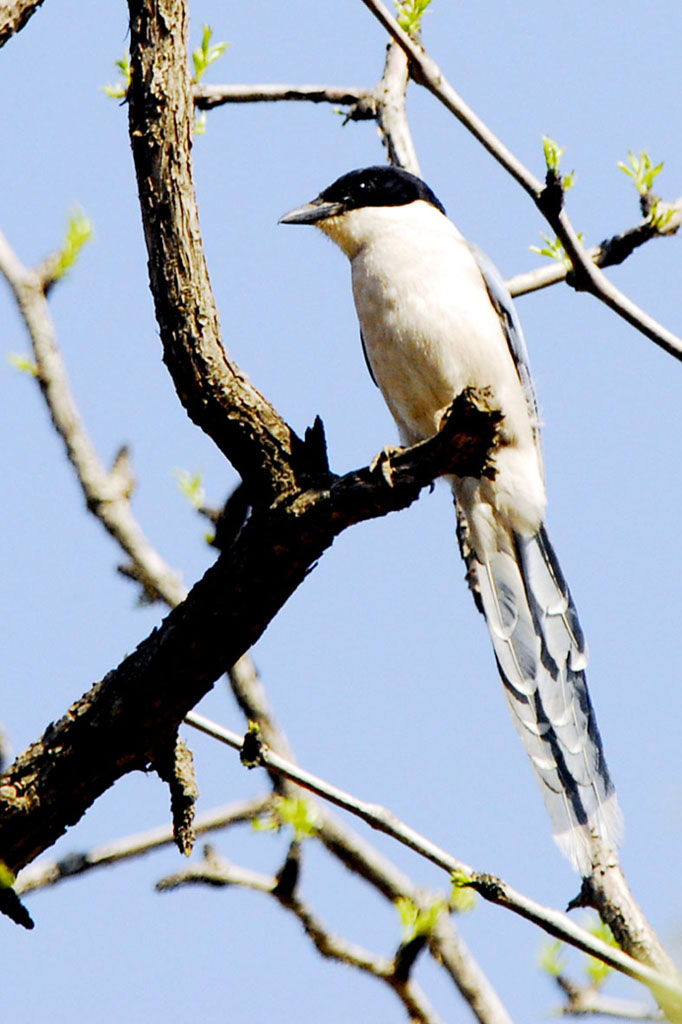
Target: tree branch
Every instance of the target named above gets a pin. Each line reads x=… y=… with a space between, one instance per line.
x=215 y=393
x=362 y=858
x=491 y=888
x=121 y=724
x=14 y=16
x=106 y=492
x=206 y=97
x=217 y=871
x=426 y=72
x=49 y=872
x=391 y=115
x=611 y=252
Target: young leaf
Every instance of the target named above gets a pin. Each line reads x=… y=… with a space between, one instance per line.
x=641 y=170
x=416 y=921
x=297 y=812
x=553 y=249
x=22 y=363
x=79 y=230
x=191 y=486
x=552 y=958
x=409 y=14
x=597 y=971
x=553 y=153
x=119 y=90
x=463 y=898
x=205 y=55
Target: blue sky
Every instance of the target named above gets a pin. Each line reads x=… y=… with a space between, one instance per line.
x=379 y=667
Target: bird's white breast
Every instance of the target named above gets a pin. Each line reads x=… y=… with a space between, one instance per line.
x=430 y=330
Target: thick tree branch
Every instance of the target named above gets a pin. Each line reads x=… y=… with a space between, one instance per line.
x=215 y=393
x=121 y=724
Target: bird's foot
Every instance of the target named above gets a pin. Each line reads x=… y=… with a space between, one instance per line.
x=382 y=462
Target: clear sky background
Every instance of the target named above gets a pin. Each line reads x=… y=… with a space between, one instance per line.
x=379 y=667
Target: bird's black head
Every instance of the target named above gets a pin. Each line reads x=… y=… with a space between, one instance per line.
x=378 y=186
x=370 y=186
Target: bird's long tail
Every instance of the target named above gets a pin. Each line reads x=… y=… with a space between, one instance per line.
x=541 y=657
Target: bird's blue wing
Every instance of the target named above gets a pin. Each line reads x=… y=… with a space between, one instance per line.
x=511 y=325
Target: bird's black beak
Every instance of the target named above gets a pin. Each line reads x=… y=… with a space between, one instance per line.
x=311 y=213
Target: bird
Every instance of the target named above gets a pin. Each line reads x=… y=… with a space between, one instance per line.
x=435 y=318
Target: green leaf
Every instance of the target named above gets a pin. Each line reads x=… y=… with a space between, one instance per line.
x=553 y=153
x=596 y=970
x=409 y=14
x=297 y=812
x=7 y=876
x=660 y=215
x=554 y=249
x=415 y=920
x=641 y=170
x=205 y=55
x=23 y=364
x=463 y=898
x=552 y=958
x=191 y=486
x=119 y=90
x=79 y=231
x=569 y=180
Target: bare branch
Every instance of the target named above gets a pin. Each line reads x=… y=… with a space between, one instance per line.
x=364 y=860
x=588 y=277
x=582 y=1000
x=608 y=253
x=390 y=110
x=106 y=493
x=216 y=394
x=48 y=872
x=208 y=96
x=217 y=871
x=14 y=16
x=175 y=765
x=488 y=886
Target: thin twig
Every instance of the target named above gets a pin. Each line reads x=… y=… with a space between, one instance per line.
x=363 y=859
x=45 y=873
x=490 y=887
x=427 y=73
x=218 y=871
x=106 y=493
x=608 y=253
x=208 y=96
x=582 y=1000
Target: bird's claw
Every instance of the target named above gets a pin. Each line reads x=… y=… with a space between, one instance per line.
x=382 y=461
